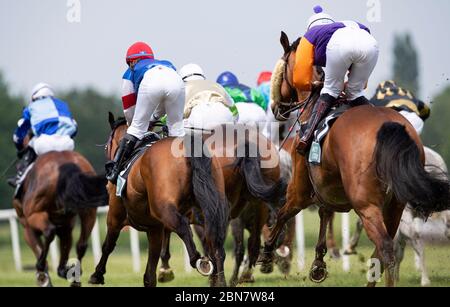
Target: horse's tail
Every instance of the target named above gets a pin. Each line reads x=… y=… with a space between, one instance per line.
x=78 y=190
x=212 y=202
x=273 y=193
x=399 y=166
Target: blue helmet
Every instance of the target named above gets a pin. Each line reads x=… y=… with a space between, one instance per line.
x=227 y=79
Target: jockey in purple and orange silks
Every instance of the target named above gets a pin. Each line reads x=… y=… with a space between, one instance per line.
x=338 y=47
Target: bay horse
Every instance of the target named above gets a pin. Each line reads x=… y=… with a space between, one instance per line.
x=162 y=189
x=256 y=218
x=248 y=186
x=412 y=226
x=372 y=163
x=59 y=187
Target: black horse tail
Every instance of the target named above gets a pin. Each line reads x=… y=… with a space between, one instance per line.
x=271 y=192
x=212 y=203
x=399 y=166
x=78 y=190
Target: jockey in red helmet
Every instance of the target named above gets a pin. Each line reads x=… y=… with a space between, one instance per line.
x=151 y=88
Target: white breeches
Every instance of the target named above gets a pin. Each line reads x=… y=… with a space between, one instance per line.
x=251 y=114
x=415 y=120
x=46 y=143
x=161 y=91
x=350 y=47
x=207 y=115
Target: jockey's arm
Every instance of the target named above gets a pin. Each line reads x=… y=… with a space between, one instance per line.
x=24 y=125
x=129 y=97
x=304 y=65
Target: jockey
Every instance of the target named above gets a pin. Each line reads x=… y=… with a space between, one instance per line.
x=389 y=94
x=150 y=89
x=339 y=47
x=264 y=86
x=199 y=90
x=250 y=103
x=52 y=127
x=240 y=92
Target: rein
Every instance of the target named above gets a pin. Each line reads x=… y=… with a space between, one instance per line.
x=302 y=107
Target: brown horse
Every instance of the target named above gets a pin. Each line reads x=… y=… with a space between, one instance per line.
x=248 y=185
x=60 y=186
x=372 y=162
x=162 y=189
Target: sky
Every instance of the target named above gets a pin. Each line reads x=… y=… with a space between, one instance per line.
x=40 y=43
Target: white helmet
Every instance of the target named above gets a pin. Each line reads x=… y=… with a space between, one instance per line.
x=192 y=72
x=41 y=90
x=319 y=18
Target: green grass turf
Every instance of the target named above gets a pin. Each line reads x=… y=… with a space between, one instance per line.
x=120 y=273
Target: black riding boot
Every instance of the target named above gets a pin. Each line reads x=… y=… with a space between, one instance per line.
x=26 y=157
x=114 y=167
x=322 y=106
x=360 y=101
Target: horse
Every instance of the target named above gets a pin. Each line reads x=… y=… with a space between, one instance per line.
x=372 y=163
x=246 y=182
x=164 y=184
x=58 y=188
x=411 y=226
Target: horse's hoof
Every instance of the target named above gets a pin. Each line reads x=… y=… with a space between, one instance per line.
x=204 y=266
x=283 y=252
x=165 y=275
x=350 y=252
x=247 y=278
x=62 y=272
x=265 y=258
x=96 y=279
x=335 y=254
x=75 y=284
x=234 y=282
x=425 y=282
x=266 y=268
x=318 y=272
x=43 y=280
x=284 y=265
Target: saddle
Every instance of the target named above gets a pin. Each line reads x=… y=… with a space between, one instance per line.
x=323 y=128
x=141 y=147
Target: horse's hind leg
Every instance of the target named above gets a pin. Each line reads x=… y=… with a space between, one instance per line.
x=318 y=272
x=351 y=250
x=155 y=239
x=40 y=221
x=88 y=218
x=237 y=230
x=298 y=198
x=165 y=272
x=381 y=228
x=65 y=244
x=331 y=240
x=418 y=246
x=179 y=224
x=116 y=220
x=399 y=250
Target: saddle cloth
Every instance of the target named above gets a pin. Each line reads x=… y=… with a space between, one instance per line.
x=141 y=147
x=315 y=153
x=18 y=189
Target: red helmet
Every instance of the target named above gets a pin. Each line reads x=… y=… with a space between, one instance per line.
x=139 y=51
x=265 y=76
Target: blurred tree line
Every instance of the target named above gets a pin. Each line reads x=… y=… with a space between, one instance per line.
x=89 y=108
x=406 y=74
